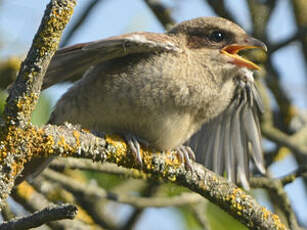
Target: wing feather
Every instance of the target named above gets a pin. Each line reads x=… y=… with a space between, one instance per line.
x=226 y=143
x=75 y=60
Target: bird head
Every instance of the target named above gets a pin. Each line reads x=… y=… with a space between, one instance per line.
x=216 y=42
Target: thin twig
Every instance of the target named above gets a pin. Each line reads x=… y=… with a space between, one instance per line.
x=32 y=201
x=81 y=20
x=300 y=172
x=38 y=218
x=89 y=165
x=220 y=9
x=299 y=12
x=149 y=191
x=92 y=190
x=6 y=212
x=287 y=41
x=87 y=207
x=162 y=13
x=199 y=211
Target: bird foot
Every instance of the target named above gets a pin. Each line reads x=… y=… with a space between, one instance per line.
x=135 y=147
x=186 y=154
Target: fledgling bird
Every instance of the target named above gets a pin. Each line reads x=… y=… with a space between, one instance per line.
x=160 y=89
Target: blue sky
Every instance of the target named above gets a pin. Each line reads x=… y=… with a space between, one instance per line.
x=19 y=20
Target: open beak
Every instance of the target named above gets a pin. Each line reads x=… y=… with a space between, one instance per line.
x=248 y=43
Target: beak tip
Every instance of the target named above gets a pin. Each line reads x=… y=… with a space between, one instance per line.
x=257 y=43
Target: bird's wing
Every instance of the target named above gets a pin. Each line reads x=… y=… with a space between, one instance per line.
x=226 y=143
x=76 y=59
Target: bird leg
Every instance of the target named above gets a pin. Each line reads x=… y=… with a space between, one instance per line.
x=186 y=154
x=135 y=147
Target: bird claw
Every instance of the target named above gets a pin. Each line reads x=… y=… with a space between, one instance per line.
x=186 y=154
x=135 y=148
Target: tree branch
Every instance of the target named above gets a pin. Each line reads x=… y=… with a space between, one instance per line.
x=161 y=12
x=38 y=218
x=276 y=188
x=26 y=89
x=90 y=190
x=109 y=168
x=220 y=9
x=300 y=172
x=87 y=212
x=68 y=141
x=20 y=141
x=32 y=201
x=83 y=17
x=287 y=41
x=300 y=9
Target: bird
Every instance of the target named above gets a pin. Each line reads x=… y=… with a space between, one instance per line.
x=188 y=85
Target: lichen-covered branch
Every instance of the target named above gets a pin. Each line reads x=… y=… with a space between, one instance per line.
x=20 y=141
x=69 y=141
x=275 y=187
x=26 y=89
x=25 y=92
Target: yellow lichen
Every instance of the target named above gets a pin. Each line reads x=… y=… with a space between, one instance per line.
x=265 y=213
x=281 y=154
x=119 y=144
x=21 y=145
x=84 y=216
x=278 y=223
x=66 y=147
x=77 y=137
x=25 y=190
x=48 y=38
x=25 y=105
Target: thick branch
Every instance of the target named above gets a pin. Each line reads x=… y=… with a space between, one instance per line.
x=69 y=141
x=38 y=218
x=276 y=188
x=26 y=89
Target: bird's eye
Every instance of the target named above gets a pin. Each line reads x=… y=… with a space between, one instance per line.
x=217 y=36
